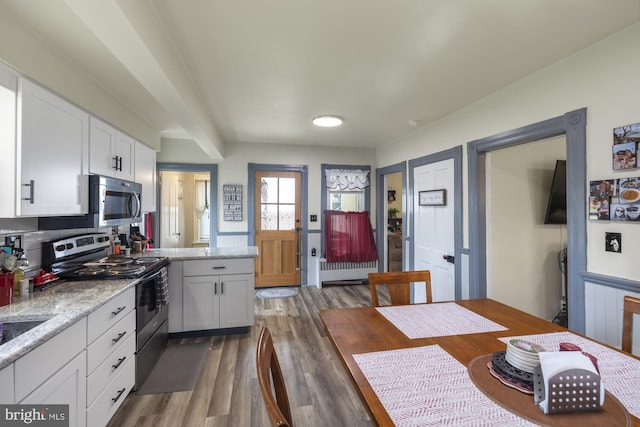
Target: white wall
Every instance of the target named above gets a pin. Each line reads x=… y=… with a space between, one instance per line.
x=234 y=168
x=603 y=78
x=521 y=250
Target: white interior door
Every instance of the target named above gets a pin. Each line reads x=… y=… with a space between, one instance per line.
x=434 y=230
x=172 y=217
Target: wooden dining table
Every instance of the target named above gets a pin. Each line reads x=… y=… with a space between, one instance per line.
x=363 y=330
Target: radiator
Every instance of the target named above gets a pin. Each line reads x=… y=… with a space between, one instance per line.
x=329 y=271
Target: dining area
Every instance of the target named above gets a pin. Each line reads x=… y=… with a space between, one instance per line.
x=430 y=364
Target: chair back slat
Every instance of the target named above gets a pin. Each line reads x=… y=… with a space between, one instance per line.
x=631 y=307
x=271 y=380
x=399 y=285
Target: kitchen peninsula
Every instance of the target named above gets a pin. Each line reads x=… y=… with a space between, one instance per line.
x=50 y=362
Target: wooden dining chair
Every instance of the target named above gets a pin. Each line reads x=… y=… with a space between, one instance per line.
x=399 y=285
x=631 y=307
x=274 y=392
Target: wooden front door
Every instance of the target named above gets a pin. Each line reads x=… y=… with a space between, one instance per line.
x=277 y=222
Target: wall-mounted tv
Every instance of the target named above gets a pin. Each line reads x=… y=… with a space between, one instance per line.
x=557 y=204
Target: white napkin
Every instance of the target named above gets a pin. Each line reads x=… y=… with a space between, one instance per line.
x=552 y=363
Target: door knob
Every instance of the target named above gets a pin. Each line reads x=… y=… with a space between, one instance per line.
x=449 y=258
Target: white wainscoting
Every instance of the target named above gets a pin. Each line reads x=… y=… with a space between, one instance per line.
x=603 y=315
x=230 y=241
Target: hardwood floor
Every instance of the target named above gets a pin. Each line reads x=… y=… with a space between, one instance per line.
x=227 y=392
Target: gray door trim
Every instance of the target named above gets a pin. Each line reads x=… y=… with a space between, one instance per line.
x=454 y=153
x=304 y=208
x=573 y=126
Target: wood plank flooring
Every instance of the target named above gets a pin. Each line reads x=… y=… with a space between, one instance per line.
x=227 y=392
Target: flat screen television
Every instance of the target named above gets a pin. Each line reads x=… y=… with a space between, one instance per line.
x=557 y=204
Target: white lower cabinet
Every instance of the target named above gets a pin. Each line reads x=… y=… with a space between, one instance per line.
x=55 y=373
x=113 y=394
x=7 y=395
x=89 y=366
x=111 y=346
x=217 y=293
x=66 y=386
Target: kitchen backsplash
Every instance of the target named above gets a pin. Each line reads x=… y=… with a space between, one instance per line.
x=32 y=238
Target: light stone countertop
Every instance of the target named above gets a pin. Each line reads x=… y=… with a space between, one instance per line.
x=65 y=304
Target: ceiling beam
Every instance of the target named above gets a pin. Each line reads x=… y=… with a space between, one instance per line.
x=133 y=33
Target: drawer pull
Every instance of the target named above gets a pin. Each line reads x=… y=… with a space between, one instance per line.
x=120 y=335
x=117 y=365
x=218 y=267
x=115 y=399
x=118 y=310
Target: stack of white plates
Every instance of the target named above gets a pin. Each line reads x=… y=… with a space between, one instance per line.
x=523 y=354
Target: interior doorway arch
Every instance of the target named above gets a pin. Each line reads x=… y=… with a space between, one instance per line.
x=573 y=126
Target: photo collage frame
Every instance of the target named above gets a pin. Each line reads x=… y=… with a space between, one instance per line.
x=615 y=199
x=618 y=199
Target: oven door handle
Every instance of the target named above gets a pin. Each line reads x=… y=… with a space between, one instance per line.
x=144 y=280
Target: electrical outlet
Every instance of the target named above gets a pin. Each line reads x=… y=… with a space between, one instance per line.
x=314 y=218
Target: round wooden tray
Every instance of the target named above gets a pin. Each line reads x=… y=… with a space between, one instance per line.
x=613 y=413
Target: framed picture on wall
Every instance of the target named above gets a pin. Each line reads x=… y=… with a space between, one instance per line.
x=432 y=197
x=625 y=156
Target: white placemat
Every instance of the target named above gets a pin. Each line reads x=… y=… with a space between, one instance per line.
x=619 y=372
x=425 y=386
x=437 y=320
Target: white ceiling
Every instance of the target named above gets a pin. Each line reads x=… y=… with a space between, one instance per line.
x=219 y=71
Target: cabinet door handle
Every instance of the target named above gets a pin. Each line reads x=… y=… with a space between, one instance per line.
x=215 y=288
x=218 y=267
x=118 y=310
x=117 y=365
x=115 y=399
x=115 y=163
x=120 y=163
x=120 y=335
x=31 y=186
x=221 y=288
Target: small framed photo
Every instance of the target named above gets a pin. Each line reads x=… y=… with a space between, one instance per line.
x=432 y=197
x=613 y=242
x=625 y=156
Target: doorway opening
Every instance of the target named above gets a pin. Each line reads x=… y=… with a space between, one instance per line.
x=187 y=205
x=391 y=194
x=573 y=126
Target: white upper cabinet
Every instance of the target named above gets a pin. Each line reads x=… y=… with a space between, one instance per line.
x=145 y=174
x=112 y=153
x=52 y=145
x=8 y=102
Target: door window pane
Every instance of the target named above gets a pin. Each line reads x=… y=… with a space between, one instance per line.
x=269 y=217
x=287 y=217
x=287 y=192
x=269 y=190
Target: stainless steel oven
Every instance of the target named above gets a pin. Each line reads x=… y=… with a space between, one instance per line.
x=152 y=314
x=86 y=257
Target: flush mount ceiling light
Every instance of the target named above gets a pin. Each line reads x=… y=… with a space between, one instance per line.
x=327 y=121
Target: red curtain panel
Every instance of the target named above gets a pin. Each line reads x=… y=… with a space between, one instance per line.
x=349 y=237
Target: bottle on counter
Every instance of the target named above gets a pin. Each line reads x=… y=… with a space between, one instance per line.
x=116 y=245
x=18 y=276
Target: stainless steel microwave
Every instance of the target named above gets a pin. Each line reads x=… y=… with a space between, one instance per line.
x=112 y=202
